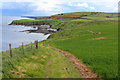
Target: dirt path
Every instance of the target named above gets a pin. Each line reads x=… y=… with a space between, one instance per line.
x=83 y=70
x=47 y=66
x=59 y=66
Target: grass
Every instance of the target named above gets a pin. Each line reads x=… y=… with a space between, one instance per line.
x=61 y=67
x=82 y=20
x=34 y=64
x=100 y=55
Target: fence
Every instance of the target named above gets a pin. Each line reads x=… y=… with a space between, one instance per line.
x=36 y=46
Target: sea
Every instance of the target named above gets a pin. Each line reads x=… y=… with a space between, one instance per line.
x=12 y=33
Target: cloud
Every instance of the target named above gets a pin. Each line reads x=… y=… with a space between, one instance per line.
x=0 y=5
x=108 y=6
x=15 y=5
x=46 y=5
x=17 y=0
x=62 y=0
x=92 y=7
x=85 y=4
x=70 y=4
x=116 y=9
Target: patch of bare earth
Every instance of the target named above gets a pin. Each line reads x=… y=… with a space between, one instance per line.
x=83 y=70
x=17 y=74
x=94 y=32
x=67 y=38
x=97 y=38
x=41 y=44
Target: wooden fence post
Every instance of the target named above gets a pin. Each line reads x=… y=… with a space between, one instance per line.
x=22 y=48
x=31 y=45
x=10 y=50
x=36 y=44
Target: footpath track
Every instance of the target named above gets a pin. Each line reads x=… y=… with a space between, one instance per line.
x=83 y=70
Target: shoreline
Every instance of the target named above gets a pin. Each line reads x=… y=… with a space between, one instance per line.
x=46 y=33
x=40 y=29
x=25 y=44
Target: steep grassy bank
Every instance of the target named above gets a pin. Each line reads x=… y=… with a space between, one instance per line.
x=37 y=63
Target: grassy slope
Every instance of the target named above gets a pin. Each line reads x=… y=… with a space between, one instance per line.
x=35 y=64
x=100 y=55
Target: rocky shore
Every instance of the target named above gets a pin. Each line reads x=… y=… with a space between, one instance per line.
x=41 y=30
x=45 y=29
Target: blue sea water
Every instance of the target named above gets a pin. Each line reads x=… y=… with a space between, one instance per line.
x=11 y=34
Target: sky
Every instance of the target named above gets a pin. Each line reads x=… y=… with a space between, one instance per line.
x=51 y=7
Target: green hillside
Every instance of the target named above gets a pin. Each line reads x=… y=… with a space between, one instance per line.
x=90 y=36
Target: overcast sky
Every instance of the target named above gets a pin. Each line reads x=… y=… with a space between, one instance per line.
x=50 y=7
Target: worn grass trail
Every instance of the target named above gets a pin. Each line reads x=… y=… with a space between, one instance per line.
x=59 y=66
x=84 y=71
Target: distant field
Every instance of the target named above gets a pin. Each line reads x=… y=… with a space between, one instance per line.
x=82 y=20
